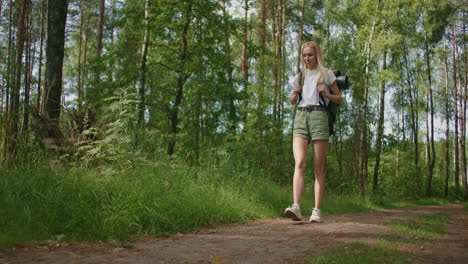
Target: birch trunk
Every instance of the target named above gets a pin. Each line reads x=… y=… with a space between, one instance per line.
x=456 y=165
x=80 y=66
x=40 y=87
x=261 y=82
x=363 y=172
x=102 y=6
x=229 y=73
x=144 y=53
x=245 y=65
x=380 y=128
x=414 y=118
x=462 y=117
x=431 y=152
x=301 y=31
x=28 y=75
x=447 y=126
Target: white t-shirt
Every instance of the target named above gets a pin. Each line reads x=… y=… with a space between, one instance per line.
x=310 y=95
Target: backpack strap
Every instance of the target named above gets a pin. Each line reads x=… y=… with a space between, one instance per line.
x=301 y=83
x=322 y=101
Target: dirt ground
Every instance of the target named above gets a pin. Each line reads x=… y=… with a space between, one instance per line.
x=271 y=241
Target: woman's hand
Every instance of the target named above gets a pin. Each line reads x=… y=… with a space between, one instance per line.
x=333 y=94
x=297 y=89
x=321 y=88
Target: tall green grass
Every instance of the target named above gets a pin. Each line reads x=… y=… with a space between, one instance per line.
x=38 y=203
x=159 y=198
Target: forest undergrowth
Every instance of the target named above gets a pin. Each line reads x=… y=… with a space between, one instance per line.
x=153 y=197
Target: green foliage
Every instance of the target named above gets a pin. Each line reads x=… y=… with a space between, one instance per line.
x=116 y=136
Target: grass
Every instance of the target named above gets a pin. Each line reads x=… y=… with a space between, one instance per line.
x=356 y=203
x=360 y=253
x=40 y=203
x=422 y=227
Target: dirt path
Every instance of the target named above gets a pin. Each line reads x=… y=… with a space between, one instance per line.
x=271 y=241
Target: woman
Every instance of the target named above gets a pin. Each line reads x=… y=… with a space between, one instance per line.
x=311 y=124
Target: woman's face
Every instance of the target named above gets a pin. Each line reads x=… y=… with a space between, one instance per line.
x=310 y=57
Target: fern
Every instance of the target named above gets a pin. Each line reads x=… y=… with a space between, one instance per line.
x=114 y=140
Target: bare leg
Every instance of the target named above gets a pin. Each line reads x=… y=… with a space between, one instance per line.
x=320 y=154
x=300 y=150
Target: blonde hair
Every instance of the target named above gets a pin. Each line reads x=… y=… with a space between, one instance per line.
x=321 y=70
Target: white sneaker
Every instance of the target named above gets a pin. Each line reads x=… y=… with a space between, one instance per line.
x=293 y=212
x=315 y=217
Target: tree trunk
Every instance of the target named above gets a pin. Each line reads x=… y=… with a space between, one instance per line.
x=198 y=105
x=363 y=172
x=84 y=67
x=245 y=64
x=80 y=48
x=414 y=118
x=2 y=85
x=144 y=53
x=181 y=79
x=280 y=73
x=283 y=68
x=261 y=74
x=28 y=75
x=431 y=152
x=109 y=67
x=232 y=123
x=101 y=28
x=301 y=30
x=380 y=127
x=13 y=120
x=1 y=5
x=456 y=169
x=277 y=37
x=275 y=66
x=102 y=6
x=40 y=87
x=57 y=15
x=447 y=126
x=10 y=58
x=462 y=116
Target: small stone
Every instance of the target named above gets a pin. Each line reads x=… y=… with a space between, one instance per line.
x=421 y=248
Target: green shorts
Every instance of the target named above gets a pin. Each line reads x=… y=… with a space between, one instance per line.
x=311 y=125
